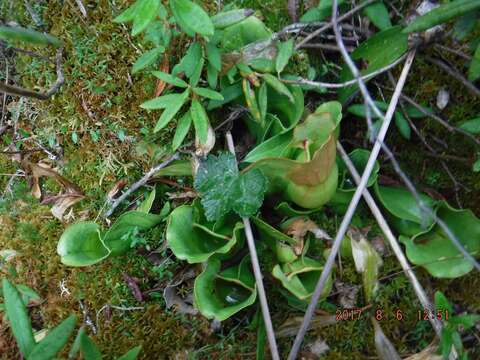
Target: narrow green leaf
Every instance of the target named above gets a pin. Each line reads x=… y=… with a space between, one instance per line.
x=169 y=79
x=209 y=94
x=191 y=17
x=442 y=303
x=231 y=17
x=171 y=110
x=472 y=126
x=263 y=100
x=476 y=166
x=195 y=78
x=402 y=125
x=212 y=76
x=55 y=340
x=145 y=12
x=285 y=51
x=132 y=354
x=359 y=109
x=213 y=56
x=147 y=204
x=27 y=35
x=200 y=120
x=278 y=86
x=189 y=61
x=229 y=94
x=474 y=68
x=89 y=349
x=160 y=102
x=146 y=59
x=442 y=14
x=18 y=318
x=251 y=100
x=128 y=14
x=183 y=127
x=378 y=14
x=72 y=354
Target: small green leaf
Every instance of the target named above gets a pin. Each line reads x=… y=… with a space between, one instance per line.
x=212 y=76
x=472 y=126
x=54 y=341
x=378 y=14
x=147 y=204
x=18 y=318
x=183 y=127
x=251 y=100
x=191 y=17
x=278 y=86
x=474 y=68
x=132 y=354
x=229 y=94
x=442 y=303
x=189 y=62
x=81 y=245
x=442 y=14
x=466 y=321
x=359 y=109
x=476 y=166
x=213 y=56
x=27 y=35
x=89 y=349
x=169 y=79
x=402 y=125
x=146 y=59
x=171 y=110
x=195 y=78
x=223 y=189
x=145 y=12
x=285 y=51
x=200 y=120
x=446 y=342
x=263 y=100
x=128 y=14
x=209 y=94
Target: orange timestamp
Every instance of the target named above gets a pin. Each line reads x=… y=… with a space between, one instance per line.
x=395 y=314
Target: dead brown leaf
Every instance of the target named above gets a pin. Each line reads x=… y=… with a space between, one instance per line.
x=291 y=325
x=429 y=353
x=299 y=228
x=70 y=195
x=164 y=66
x=119 y=185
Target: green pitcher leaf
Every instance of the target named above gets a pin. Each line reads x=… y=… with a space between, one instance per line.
x=285 y=52
x=194 y=243
x=18 y=318
x=115 y=238
x=191 y=17
x=81 y=245
x=147 y=59
x=442 y=14
x=132 y=354
x=18 y=33
x=171 y=110
x=273 y=147
x=221 y=294
x=170 y=79
x=145 y=12
x=245 y=32
x=408 y=218
x=54 y=341
x=301 y=276
x=378 y=14
x=223 y=188
x=181 y=132
x=434 y=250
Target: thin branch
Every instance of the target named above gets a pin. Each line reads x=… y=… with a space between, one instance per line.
x=330 y=24
x=457 y=75
x=19 y=91
x=139 y=184
x=257 y=272
x=346 y=83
